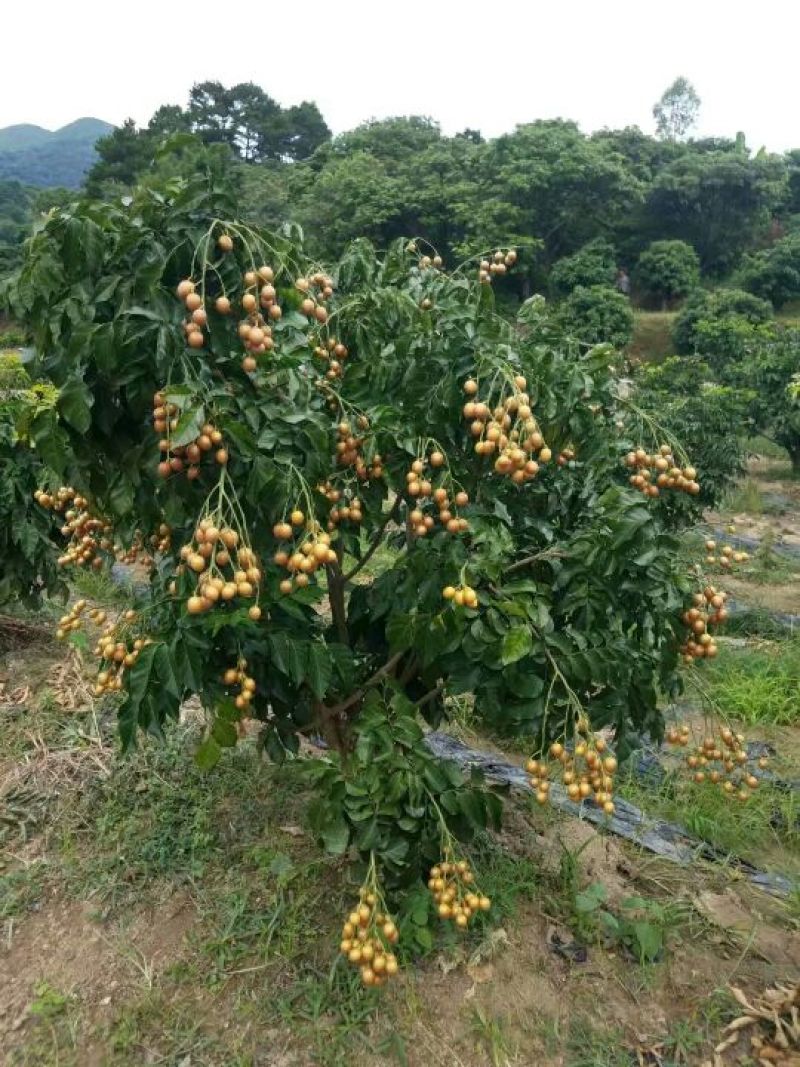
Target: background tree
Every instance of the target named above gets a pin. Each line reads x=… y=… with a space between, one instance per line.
x=122 y=156
x=595 y=315
x=594 y=264
x=718 y=202
x=667 y=271
x=717 y=308
x=773 y=273
x=677 y=110
x=763 y=359
x=547 y=181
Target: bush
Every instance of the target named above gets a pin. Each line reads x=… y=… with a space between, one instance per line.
x=774 y=273
x=707 y=418
x=597 y=315
x=667 y=271
x=10 y=337
x=594 y=264
x=716 y=306
x=260 y=462
x=27 y=553
x=766 y=366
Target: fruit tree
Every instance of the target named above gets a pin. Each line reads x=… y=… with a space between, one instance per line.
x=359 y=493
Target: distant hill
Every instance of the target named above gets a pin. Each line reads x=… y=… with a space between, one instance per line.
x=40 y=157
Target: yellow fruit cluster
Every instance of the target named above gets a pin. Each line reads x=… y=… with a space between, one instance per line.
x=73 y=620
x=119 y=651
x=317 y=288
x=226 y=568
x=87 y=533
x=508 y=430
x=452 y=885
x=349 y=452
x=708 y=609
x=498 y=264
x=237 y=677
x=331 y=351
x=306 y=555
x=432 y=502
x=184 y=458
x=587 y=772
x=660 y=471
x=719 y=759
x=366 y=936
x=463 y=595
x=434 y=262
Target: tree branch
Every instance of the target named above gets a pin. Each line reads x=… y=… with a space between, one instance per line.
x=354 y=698
x=547 y=553
x=373 y=548
x=409 y=670
x=432 y=695
x=336 y=582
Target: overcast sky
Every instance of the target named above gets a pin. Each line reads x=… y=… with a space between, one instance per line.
x=465 y=63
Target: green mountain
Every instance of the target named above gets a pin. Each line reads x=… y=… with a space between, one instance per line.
x=23 y=136
x=35 y=156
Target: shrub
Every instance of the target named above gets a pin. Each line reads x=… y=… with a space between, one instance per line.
x=767 y=366
x=259 y=431
x=594 y=264
x=707 y=418
x=597 y=315
x=774 y=273
x=27 y=553
x=667 y=271
x=716 y=306
x=10 y=337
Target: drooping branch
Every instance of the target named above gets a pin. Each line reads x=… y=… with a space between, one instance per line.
x=358 y=695
x=376 y=543
x=336 y=584
x=430 y=696
x=547 y=553
x=409 y=670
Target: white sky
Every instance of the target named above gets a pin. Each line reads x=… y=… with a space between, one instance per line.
x=464 y=62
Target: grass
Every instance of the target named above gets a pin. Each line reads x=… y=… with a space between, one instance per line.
x=652 y=336
x=763 y=446
x=758 y=685
x=764 y=831
x=746 y=496
x=766 y=567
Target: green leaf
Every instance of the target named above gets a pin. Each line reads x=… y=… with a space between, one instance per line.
x=287 y=655
x=591 y=898
x=400 y=632
x=75 y=403
x=224 y=733
x=318 y=669
x=208 y=753
x=648 y=938
x=189 y=425
x=517 y=643
x=336 y=835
